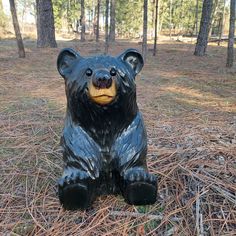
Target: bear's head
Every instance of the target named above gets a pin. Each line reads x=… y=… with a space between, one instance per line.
x=101 y=91
x=100 y=79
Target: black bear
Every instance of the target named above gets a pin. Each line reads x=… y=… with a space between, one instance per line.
x=104 y=139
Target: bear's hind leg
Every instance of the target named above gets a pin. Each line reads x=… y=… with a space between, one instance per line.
x=139 y=187
x=76 y=190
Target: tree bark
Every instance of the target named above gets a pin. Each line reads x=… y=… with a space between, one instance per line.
x=112 y=35
x=45 y=24
x=170 y=19
x=19 y=40
x=82 y=21
x=106 y=27
x=230 y=51
x=98 y=21
x=213 y=15
x=222 y=22
x=155 y=33
x=202 y=39
x=196 y=16
x=145 y=21
x=153 y=14
x=68 y=20
x=180 y=23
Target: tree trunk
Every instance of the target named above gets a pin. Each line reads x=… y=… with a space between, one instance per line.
x=170 y=19
x=23 y=16
x=161 y=18
x=82 y=21
x=180 y=23
x=19 y=40
x=145 y=21
x=153 y=15
x=202 y=39
x=213 y=15
x=222 y=23
x=98 y=21
x=196 y=16
x=45 y=24
x=68 y=19
x=112 y=35
x=155 y=33
x=106 y=27
x=230 y=52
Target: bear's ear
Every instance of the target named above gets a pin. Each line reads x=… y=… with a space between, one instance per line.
x=65 y=59
x=134 y=59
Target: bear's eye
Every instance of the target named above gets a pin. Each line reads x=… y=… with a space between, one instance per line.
x=113 y=72
x=89 y=72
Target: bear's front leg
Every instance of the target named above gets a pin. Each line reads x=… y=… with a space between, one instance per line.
x=137 y=185
x=76 y=189
x=78 y=185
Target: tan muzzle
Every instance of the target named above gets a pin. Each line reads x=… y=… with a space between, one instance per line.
x=102 y=96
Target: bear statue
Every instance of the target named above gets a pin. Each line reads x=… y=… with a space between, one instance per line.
x=104 y=140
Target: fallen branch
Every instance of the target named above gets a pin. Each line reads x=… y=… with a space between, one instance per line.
x=140 y=215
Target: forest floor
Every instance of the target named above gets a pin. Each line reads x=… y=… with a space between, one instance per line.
x=189 y=107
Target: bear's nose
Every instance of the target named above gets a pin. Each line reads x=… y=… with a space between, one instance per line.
x=102 y=80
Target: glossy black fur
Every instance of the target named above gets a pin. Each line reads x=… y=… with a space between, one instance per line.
x=104 y=146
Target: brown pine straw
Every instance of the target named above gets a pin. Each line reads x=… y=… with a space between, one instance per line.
x=189 y=109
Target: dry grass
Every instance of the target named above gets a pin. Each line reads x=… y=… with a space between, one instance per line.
x=189 y=106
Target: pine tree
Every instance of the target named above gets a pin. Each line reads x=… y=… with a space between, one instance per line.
x=3 y=19
x=196 y=16
x=82 y=21
x=98 y=21
x=45 y=24
x=213 y=15
x=202 y=39
x=19 y=40
x=222 y=21
x=230 y=51
x=145 y=22
x=170 y=18
x=106 y=27
x=155 y=26
x=129 y=22
x=112 y=21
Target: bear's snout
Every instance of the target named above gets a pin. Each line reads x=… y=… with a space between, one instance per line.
x=102 y=79
x=102 y=87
